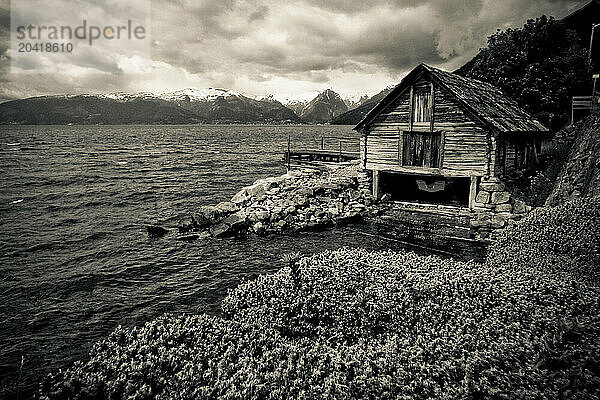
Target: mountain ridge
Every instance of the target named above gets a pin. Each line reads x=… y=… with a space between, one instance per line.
x=186 y=106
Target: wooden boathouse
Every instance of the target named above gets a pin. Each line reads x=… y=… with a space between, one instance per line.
x=444 y=142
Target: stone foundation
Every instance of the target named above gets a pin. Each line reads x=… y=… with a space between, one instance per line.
x=494 y=207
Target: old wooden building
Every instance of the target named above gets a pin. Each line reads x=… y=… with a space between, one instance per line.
x=440 y=145
x=437 y=135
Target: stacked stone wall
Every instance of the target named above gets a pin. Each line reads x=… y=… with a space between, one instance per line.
x=494 y=207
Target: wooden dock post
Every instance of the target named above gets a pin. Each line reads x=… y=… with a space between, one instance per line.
x=289 y=152
x=376 y=188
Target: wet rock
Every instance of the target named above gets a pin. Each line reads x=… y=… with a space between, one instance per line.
x=241 y=197
x=235 y=221
x=185 y=225
x=226 y=207
x=258 y=228
x=300 y=200
x=266 y=183
x=201 y=220
x=279 y=225
x=350 y=218
x=156 y=231
x=316 y=226
x=204 y=235
x=188 y=238
x=210 y=213
x=37 y=323
x=262 y=215
x=256 y=190
x=219 y=230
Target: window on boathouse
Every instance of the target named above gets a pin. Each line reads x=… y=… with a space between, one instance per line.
x=421 y=149
x=422 y=106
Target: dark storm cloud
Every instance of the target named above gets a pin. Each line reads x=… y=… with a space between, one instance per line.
x=260 y=13
x=388 y=34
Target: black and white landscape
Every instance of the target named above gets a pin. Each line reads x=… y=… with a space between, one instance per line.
x=300 y=200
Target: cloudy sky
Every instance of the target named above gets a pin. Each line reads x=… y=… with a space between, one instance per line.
x=260 y=47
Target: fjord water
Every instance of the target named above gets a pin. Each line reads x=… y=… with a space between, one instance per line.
x=75 y=259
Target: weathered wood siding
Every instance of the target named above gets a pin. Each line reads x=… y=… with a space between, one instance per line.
x=509 y=160
x=465 y=144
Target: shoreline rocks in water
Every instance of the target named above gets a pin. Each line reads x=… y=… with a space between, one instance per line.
x=156 y=231
x=301 y=200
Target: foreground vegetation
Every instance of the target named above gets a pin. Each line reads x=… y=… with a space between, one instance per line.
x=380 y=325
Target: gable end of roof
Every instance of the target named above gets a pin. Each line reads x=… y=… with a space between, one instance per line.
x=484 y=101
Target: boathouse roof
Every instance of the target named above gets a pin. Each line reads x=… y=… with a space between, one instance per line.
x=483 y=101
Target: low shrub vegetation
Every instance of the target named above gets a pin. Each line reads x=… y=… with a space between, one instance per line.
x=563 y=241
x=357 y=324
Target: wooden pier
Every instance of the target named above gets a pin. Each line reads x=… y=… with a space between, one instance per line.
x=325 y=154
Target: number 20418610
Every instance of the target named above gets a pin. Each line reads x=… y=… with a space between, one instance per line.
x=45 y=47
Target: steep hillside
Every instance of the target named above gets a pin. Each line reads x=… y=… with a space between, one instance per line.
x=541 y=65
x=580 y=176
x=354 y=116
x=323 y=108
x=187 y=106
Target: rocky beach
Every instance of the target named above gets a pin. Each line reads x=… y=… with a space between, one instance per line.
x=303 y=199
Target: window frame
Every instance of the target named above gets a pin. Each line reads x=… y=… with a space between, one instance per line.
x=408 y=140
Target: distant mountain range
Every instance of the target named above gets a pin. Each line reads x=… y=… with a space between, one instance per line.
x=189 y=106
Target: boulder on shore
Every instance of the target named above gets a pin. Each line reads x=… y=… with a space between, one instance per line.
x=156 y=231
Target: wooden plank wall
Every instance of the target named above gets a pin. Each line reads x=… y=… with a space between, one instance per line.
x=512 y=158
x=465 y=140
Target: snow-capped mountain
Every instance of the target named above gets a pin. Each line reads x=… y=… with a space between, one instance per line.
x=354 y=115
x=323 y=108
x=208 y=94
x=355 y=101
x=181 y=107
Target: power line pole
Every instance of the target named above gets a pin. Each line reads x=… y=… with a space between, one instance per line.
x=592 y=41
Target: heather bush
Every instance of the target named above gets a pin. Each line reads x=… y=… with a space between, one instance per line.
x=557 y=241
x=357 y=324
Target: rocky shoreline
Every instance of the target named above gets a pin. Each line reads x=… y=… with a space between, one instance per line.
x=300 y=200
x=311 y=199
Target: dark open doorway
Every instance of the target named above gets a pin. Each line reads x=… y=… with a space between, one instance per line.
x=426 y=189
